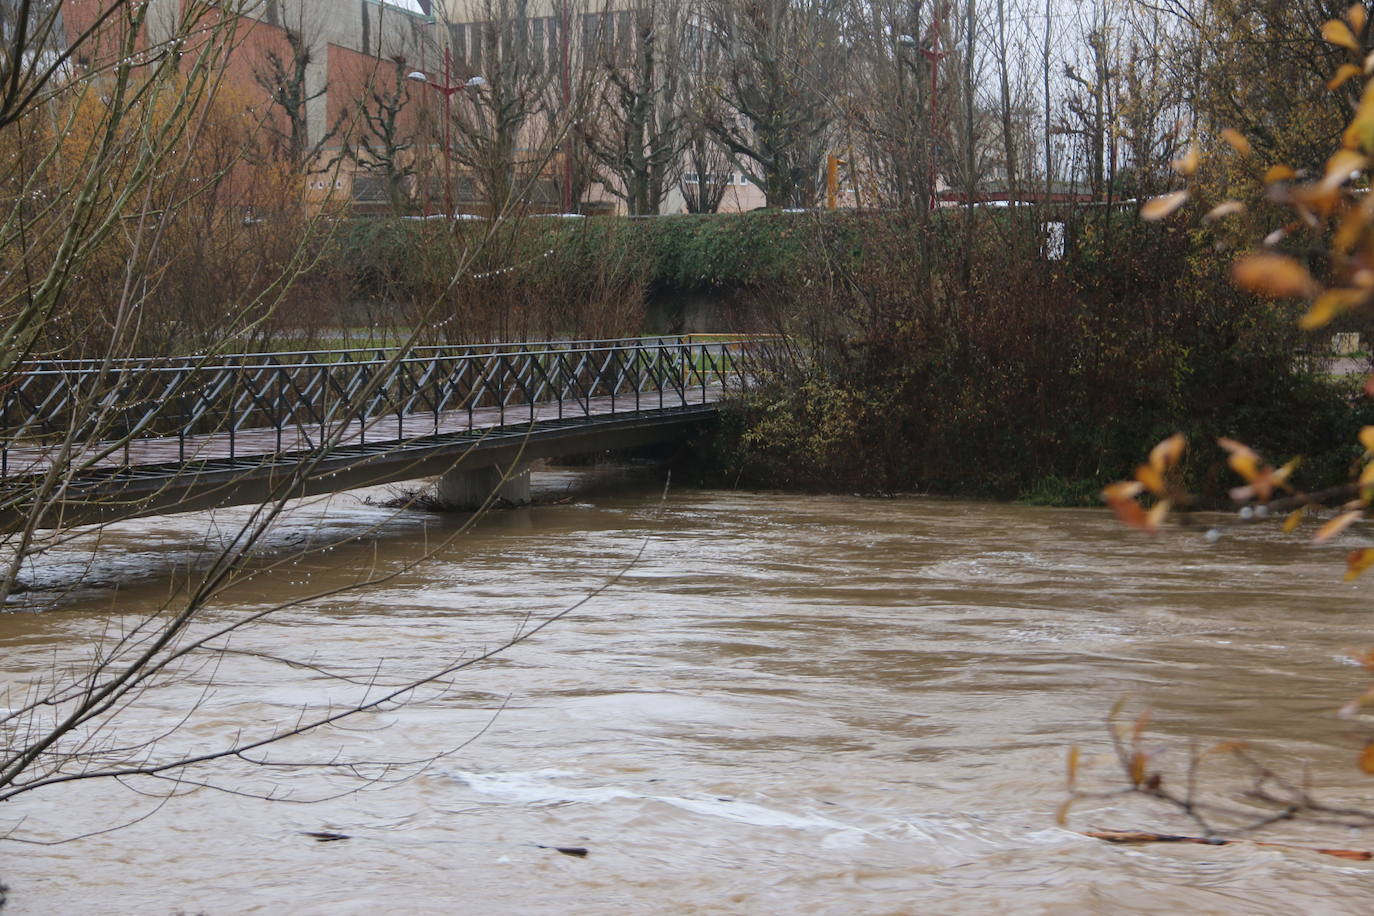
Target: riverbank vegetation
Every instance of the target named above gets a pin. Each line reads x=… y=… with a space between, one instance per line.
x=957 y=357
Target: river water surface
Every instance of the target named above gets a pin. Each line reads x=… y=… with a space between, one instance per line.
x=784 y=704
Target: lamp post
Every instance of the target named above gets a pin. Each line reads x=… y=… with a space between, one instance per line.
x=448 y=90
x=933 y=54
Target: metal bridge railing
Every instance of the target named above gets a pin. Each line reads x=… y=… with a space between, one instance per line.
x=260 y=403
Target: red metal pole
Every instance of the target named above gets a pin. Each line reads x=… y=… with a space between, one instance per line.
x=567 y=103
x=934 y=55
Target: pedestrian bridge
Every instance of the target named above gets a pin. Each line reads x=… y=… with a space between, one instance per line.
x=89 y=441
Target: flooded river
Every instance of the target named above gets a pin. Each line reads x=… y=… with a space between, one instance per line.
x=784 y=704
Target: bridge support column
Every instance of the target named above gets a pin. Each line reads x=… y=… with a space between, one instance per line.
x=469 y=489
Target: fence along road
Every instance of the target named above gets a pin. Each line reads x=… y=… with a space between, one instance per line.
x=97 y=441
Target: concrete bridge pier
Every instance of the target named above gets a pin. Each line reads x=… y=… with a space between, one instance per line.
x=468 y=488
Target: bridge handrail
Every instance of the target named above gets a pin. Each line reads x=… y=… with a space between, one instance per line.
x=412 y=355
x=371 y=354
x=116 y=404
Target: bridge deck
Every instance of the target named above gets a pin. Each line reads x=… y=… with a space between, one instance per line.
x=157 y=479
x=385 y=430
x=242 y=428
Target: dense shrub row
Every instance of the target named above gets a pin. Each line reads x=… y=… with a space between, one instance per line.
x=953 y=356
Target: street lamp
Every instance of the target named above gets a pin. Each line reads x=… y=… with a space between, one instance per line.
x=933 y=56
x=448 y=89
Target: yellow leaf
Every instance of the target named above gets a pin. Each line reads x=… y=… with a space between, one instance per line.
x=1344 y=73
x=1223 y=209
x=1141 y=721
x=1341 y=166
x=1357 y=561
x=1367 y=438
x=1159 y=207
x=1126 y=489
x=1338 y=33
x=1226 y=747
x=1282 y=474
x=1158 y=512
x=1367 y=475
x=1237 y=140
x=1116 y=709
x=1166 y=454
x=1330 y=304
x=1151 y=478
x=1061 y=817
x=1352 y=225
x=1187 y=164
x=1367 y=758
x=1279 y=173
x=1073 y=766
x=1242 y=459
x=1274 y=275
x=1294 y=519
x=1360 y=132
x=1138 y=765
x=1336 y=526
x=1356 y=16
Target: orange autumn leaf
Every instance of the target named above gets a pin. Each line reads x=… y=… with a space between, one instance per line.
x=1158 y=512
x=1274 y=275
x=1278 y=173
x=1356 y=16
x=1139 y=762
x=1341 y=167
x=1338 y=33
x=1367 y=758
x=1152 y=479
x=1186 y=165
x=1334 y=527
x=1237 y=140
x=1159 y=207
x=1125 y=489
x=1166 y=454
x=1344 y=73
x=1244 y=460
x=1360 y=132
x=1357 y=561
x=1061 y=816
x=1223 y=210
x=1227 y=747
x=1329 y=305
x=1131 y=514
x=1367 y=437
x=1294 y=519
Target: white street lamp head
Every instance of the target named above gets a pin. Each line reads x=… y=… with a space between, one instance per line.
x=475 y=82
x=417 y=75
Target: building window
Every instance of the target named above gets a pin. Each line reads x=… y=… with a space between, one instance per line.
x=458 y=42
x=625 y=35
x=478 y=31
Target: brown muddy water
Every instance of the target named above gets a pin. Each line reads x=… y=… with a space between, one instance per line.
x=787 y=704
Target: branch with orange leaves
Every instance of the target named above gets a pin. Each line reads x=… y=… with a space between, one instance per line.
x=1329 y=204
x=1275 y=798
x=1258 y=496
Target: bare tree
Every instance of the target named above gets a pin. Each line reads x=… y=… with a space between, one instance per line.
x=384 y=144
x=636 y=133
x=100 y=172
x=286 y=73
x=783 y=68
